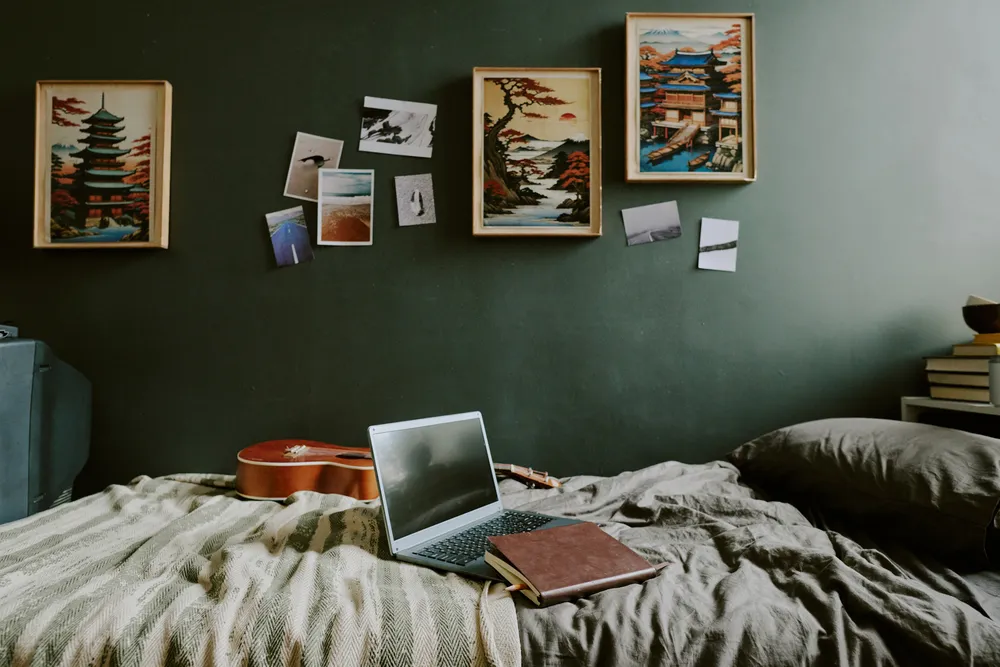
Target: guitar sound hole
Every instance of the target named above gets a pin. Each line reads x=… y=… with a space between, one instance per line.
x=352 y=455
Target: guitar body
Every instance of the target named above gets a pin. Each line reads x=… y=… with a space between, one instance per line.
x=276 y=469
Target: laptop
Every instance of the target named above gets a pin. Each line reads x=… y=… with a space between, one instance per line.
x=440 y=498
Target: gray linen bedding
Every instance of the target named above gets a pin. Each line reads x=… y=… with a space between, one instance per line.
x=749 y=582
x=178 y=571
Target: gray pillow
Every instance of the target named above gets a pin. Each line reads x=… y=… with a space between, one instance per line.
x=935 y=488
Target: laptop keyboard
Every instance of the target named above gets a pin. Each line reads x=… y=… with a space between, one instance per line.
x=465 y=547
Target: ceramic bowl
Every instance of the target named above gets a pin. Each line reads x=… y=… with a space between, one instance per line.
x=983 y=318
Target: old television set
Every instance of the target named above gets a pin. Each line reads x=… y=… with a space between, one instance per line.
x=45 y=409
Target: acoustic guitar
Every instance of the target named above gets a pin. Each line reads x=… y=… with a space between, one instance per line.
x=276 y=469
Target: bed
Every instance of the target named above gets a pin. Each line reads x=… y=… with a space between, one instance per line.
x=810 y=563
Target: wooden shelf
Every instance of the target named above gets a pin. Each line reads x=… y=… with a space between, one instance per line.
x=912 y=406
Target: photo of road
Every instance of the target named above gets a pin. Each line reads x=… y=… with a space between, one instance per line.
x=289 y=236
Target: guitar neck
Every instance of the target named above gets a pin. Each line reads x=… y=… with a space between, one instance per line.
x=528 y=475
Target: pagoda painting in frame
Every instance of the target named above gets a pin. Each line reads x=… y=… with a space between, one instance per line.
x=102 y=164
x=690 y=107
x=536 y=152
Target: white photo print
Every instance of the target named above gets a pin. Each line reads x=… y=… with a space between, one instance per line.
x=655 y=222
x=398 y=128
x=717 y=246
x=415 y=200
x=346 y=208
x=310 y=154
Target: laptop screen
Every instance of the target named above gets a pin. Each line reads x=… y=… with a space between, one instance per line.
x=433 y=473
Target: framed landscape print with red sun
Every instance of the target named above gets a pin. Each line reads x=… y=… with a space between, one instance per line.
x=536 y=152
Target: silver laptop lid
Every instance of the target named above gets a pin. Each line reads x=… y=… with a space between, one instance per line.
x=434 y=476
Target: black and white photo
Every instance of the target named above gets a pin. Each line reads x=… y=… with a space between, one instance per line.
x=415 y=200
x=398 y=128
x=656 y=222
x=310 y=154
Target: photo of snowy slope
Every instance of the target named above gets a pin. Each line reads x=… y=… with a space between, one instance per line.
x=398 y=128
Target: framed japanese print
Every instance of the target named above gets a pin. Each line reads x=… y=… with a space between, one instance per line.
x=690 y=108
x=102 y=164
x=536 y=152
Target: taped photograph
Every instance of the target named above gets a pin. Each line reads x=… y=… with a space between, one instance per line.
x=656 y=222
x=718 y=244
x=310 y=154
x=346 y=206
x=398 y=128
x=289 y=236
x=415 y=200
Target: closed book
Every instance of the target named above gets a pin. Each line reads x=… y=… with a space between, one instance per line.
x=986 y=339
x=960 y=379
x=976 y=350
x=961 y=394
x=566 y=562
x=958 y=364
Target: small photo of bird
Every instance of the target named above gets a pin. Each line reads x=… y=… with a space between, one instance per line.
x=310 y=154
x=317 y=160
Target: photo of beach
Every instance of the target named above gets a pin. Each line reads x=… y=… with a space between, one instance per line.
x=346 y=208
x=655 y=222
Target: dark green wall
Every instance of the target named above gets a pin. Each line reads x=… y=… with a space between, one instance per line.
x=874 y=216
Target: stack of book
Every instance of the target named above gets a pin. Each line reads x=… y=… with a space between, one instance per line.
x=965 y=375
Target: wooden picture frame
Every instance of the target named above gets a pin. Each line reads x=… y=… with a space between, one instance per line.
x=102 y=164
x=536 y=157
x=690 y=102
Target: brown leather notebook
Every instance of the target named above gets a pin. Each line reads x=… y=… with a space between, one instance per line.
x=566 y=562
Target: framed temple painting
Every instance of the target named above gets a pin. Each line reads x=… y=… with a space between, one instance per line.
x=102 y=164
x=536 y=152
x=690 y=108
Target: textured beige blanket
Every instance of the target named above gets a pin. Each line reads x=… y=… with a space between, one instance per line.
x=179 y=571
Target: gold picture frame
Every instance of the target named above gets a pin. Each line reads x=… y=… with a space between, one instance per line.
x=536 y=157
x=690 y=98
x=102 y=164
